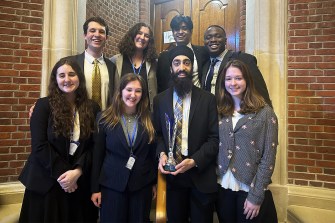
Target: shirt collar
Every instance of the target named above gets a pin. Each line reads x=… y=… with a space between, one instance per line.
x=221 y=56
x=91 y=59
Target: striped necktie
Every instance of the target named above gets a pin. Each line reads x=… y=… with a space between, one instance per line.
x=178 y=113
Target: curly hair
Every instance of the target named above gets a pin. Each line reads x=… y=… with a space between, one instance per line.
x=112 y=115
x=127 y=45
x=61 y=109
x=251 y=100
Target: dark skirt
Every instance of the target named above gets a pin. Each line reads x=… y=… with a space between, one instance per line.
x=58 y=206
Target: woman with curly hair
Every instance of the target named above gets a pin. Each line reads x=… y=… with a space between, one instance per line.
x=57 y=172
x=124 y=166
x=248 y=131
x=138 y=56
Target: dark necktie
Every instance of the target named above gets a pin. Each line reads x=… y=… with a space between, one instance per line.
x=208 y=81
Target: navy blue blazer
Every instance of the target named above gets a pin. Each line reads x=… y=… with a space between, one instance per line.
x=80 y=58
x=110 y=155
x=203 y=135
x=49 y=156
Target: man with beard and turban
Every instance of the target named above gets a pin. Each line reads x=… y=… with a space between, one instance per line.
x=191 y=187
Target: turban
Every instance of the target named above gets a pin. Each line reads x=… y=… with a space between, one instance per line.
x=181 y=50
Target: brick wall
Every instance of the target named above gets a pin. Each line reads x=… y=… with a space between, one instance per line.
x=311 y=93
x=20 y=78
x=120 y=16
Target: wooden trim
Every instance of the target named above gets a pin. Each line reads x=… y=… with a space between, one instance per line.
x=161 y=199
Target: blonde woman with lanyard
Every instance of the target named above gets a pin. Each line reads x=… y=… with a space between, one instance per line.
x=138 y=56
x=124 y=170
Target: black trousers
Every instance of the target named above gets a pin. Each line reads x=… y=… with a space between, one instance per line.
x=229 y=207
x=184 y=203
x=128 y=206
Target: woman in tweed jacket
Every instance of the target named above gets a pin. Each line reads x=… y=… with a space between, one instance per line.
x=248 y=142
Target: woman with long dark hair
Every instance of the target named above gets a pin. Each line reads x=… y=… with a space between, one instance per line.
x=138 y=55
x=57 y=172
x=124 y=166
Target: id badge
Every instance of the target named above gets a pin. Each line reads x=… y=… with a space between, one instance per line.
x=130 y=162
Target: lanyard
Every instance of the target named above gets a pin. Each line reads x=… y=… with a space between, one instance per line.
x=134 y=69
x=131 y=140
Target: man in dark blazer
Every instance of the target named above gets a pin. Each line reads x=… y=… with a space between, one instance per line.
x=182 y=27
x=215 y=42
x=96 y=34
x=191 y=189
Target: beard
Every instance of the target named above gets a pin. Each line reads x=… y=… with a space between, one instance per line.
x=182 y=85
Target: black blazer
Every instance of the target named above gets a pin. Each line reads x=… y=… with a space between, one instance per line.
x=251 y=62
x=80 y=58
x=110 y=155
x=203 y=135
x=49 y=156
x=163 y=72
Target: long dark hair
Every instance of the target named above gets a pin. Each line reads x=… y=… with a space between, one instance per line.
x=112 y=115
x=61 y=109
x=127 y=46
x=251 y=100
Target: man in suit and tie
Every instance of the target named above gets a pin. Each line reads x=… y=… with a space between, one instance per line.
x=96 y=34
x=215 y=42
x=182 y=27
x=192 y=187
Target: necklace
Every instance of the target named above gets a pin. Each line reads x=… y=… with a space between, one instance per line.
x=130 y=118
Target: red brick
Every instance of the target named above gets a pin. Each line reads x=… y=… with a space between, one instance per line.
x=329 y=171
x=304 y=176
x=329 y=157
x=328 y=164
x=327 y=178
x=314 y=169
x=315 y=184
x=301 y=162
x=329 y=185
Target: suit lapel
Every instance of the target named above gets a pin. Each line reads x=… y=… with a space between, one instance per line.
x=204 y=73
x=225 y=60
x=139 y=136
x=118 y=63
x=81 y=60
x=242 y=121
x=195 y=98
x=122 y=136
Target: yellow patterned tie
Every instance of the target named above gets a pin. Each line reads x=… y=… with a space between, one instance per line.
x=178 y=112
x=96 y=83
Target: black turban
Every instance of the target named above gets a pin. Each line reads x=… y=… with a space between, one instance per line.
x=181 y=50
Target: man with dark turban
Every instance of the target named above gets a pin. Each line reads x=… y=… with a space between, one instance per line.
x=191 y=184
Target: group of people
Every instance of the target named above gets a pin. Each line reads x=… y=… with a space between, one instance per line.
x=108 y=124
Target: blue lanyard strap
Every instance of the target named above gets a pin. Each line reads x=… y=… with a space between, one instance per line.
x=131 y=140
x=134 y=69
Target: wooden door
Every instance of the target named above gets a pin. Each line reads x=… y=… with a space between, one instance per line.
x=203 y=13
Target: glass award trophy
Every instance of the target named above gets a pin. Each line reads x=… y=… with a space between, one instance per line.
x=171 y=162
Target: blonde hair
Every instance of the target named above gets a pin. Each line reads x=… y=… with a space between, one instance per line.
x=112 y=115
